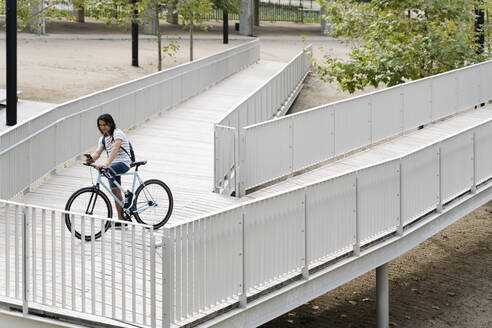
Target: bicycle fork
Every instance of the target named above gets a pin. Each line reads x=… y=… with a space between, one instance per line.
x=91 y=211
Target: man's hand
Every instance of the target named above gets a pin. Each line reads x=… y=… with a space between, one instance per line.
x=100 y=166
x=89 y=160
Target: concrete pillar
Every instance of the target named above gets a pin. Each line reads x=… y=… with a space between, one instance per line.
x=246 y=18
x=382 y=296
x=37 y=23
x=324 y=26
x=150 y=23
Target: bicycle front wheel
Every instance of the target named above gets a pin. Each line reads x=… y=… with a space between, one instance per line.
x=89 y=201
x=153 y=203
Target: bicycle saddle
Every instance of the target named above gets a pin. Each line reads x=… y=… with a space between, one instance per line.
x=137 y=164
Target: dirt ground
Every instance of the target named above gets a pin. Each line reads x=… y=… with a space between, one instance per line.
x=444 y=282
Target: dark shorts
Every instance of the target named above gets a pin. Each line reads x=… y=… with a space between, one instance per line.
x=119 y=168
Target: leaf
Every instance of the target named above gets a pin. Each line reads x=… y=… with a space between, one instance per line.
x=408 y=317
x=451 y=293
x=353 y=302
x=435 y=307
x=315 y=307
x=393 y=324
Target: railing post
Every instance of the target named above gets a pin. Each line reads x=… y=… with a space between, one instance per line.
x=153 y=321
x=243 y=298
x=291 y=147
x=473 y=188
x=166 y=278
x=357 y=224
x=240 y=142
x=25 y=305
x=439 y=175
x=400 y=218
x=305 y=269
x=216 y=187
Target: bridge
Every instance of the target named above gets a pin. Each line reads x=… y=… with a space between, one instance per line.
x=271 y=210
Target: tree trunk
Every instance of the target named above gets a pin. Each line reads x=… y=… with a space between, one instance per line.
x=159 y=44
x=257 y=12
x=79 y=14
x=191 y=40
x=37 y=22
x=479 y=30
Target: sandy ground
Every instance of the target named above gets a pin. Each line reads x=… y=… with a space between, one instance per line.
x=444 y=282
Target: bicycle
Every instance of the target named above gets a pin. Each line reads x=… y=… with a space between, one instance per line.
x=151 y=205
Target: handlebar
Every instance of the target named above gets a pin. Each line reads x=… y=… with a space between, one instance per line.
x=108 y=172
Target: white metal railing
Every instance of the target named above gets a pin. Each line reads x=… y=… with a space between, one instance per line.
x=68 y=128
x=45 y=264
x=217 y=260
x=280 y=147
x=271 y=99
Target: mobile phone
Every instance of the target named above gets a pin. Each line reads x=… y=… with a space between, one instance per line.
x=88 y=156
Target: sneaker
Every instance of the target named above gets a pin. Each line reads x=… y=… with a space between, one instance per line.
x=120 y=226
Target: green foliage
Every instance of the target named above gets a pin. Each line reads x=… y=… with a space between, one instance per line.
x=230 y=6
x=190 y=10
x=171 y=48
x=395 y=41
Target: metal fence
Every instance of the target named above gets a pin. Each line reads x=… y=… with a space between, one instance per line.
x=271 y=99
x=222 y=259
x=67 y=128
x=44 y=264
x=276 y=148
x=274 y=12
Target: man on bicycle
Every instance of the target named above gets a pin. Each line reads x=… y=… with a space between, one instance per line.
x=117 y=148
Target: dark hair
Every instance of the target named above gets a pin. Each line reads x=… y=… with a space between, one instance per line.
x=108 y=119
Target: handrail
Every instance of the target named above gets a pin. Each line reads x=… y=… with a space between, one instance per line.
x=55 y=269
x=173 y=71
x=90 y=109
x=337 y=128
x=269 y=100
x=140 y=79
x=269 y=240
x=67 y=136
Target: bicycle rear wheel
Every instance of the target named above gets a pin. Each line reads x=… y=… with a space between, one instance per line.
x=89 y=201
x=153 y=203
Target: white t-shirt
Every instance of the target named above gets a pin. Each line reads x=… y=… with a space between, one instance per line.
x=122 y=156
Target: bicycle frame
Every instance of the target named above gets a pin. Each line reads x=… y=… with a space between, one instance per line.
x=136 y=177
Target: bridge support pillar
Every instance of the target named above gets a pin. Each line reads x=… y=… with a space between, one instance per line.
x=246 y=18
x=150 y=23
x=382 y=296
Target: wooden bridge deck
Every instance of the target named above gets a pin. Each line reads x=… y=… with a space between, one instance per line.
x=178 y=145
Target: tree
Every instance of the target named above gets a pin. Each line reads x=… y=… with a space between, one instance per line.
x=190 y=11
x=396 y=41
x=29 y=11
x=120 y=13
